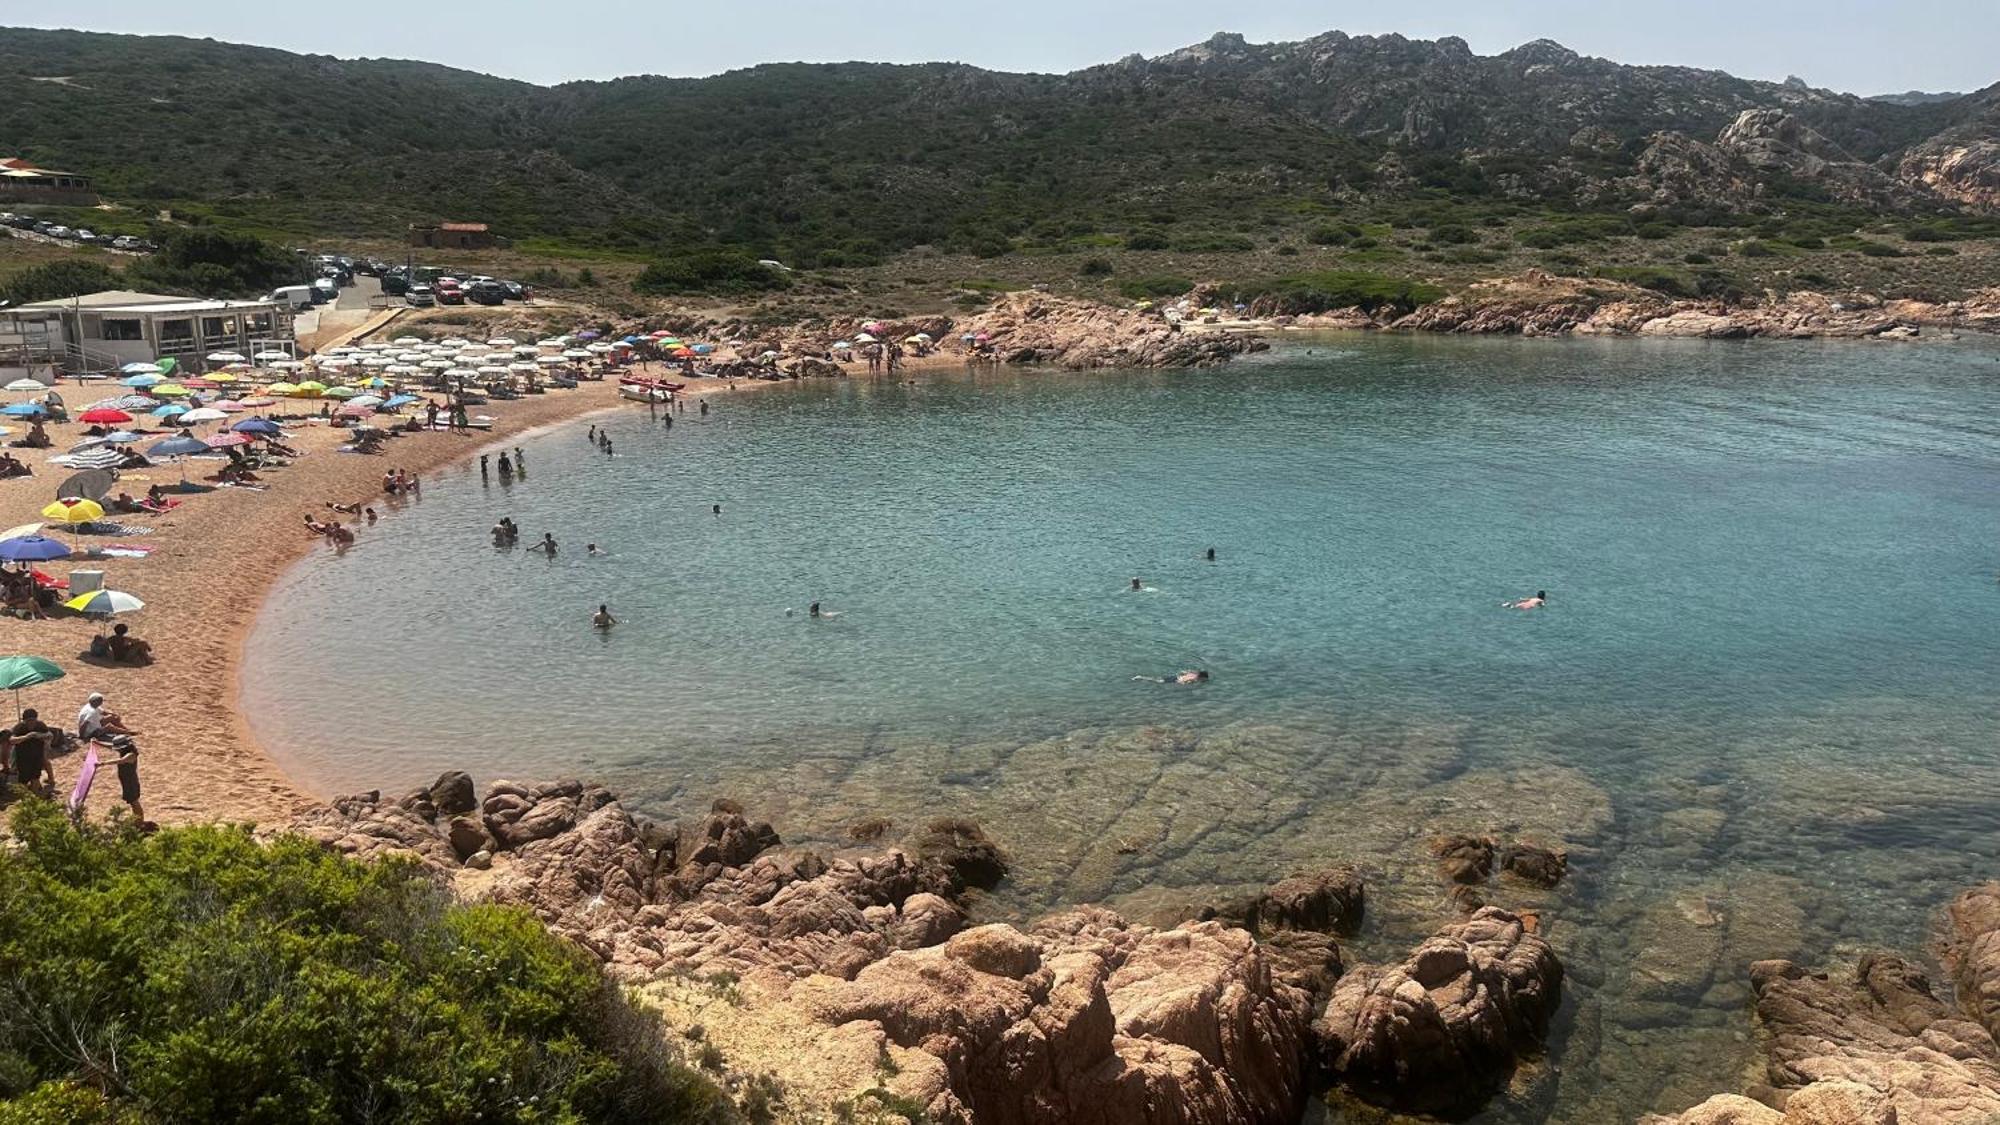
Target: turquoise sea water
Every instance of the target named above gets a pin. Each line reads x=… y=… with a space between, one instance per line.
x=1760 y=708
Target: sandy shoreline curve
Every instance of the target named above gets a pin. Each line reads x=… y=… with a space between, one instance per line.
x=215 y=561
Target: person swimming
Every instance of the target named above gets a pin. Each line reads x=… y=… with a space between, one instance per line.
x=1190 y=676
x=812 y=610
x=716 y=508
x=1540 y=600
x=592 y=549
x=602 y=619
x=1136 y=585
x=1211 y=554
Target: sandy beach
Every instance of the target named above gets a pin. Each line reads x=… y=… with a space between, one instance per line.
x=213 y=560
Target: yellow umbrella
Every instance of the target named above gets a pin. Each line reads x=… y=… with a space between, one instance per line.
x=309 y=387
x=73 y=510
x=223 y=377
x=281 y=389
x=168 y=390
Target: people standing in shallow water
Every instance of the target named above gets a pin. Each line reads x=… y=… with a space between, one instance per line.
x=602 y=619
x=547 y=546
x=482 y=466
x=716 y=508
x=704 y=408
x=1211 y=554
x=506 y=467
x=1136 y=585
x=1540 y=600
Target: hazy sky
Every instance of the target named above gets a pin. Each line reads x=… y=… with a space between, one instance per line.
x=1876 y=46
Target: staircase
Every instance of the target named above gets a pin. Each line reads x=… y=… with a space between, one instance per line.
x=80 y=363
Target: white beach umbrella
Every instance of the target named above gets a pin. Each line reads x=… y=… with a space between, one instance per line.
x=272 y=357
x=502 y=341
x=599 y=349
x=201 y=414
x=525 y=349
x=406 y=341
x=552 y=361
x=227 y=357
x=403 y=369
x=520 y=366
x=286 y=365
x=365 y=400
x=438 y=364
x=454 y=342
x=461 y=373
x=492 y=369
x=32 y=386
x=576 y=353
x=377 y=361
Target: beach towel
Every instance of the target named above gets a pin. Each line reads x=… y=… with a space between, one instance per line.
x=123 y=551
x=84 y=777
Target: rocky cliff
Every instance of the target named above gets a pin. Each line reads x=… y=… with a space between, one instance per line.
x=859 y=974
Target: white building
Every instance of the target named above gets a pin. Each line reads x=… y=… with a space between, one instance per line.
x=98 y=333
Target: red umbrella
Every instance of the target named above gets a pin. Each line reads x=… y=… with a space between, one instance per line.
x=683 y=353
x=104 y=415
x=226 y=439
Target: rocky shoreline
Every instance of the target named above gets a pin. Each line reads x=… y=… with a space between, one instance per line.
x=869 y=954
x=1539 y=304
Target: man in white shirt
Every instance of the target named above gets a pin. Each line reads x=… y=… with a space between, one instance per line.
x=93 y=721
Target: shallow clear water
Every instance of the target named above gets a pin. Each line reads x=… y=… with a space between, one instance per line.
x=1760 y=708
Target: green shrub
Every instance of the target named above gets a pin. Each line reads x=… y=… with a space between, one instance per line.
x=1754 y=249
x=1146 y=240
x=1336 y=289
x=1927 y=234
x=198 y=975
x=1671 y=282
x=1329 y=236
x=1213 y=244
x=1148 y=288
x=207 y=262
x=709 y=272
x=1696 y=258
x=1879 y=250
x=1096 y=267
x=1942 y=252
x=1287 y=251
x=64 y=277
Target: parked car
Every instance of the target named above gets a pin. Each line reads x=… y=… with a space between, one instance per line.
x=450 y=295
x=324 y=290
x=124 y=242
x=395 y=283
x=57 y=230
x=486 y=293
x=515 y=290
x=295 y=296
x=421 y=296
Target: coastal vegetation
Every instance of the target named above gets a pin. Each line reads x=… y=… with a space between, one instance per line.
x=197 y=974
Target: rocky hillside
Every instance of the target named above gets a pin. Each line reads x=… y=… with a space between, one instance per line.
x=849 y=162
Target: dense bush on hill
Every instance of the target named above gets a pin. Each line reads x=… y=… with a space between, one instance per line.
x=212 y=263
x=64 y=277
x=1334 y=289
x=717 y=273
x=196 y=975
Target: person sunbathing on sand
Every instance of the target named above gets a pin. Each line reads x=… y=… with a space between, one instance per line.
x=128 y=649
x=1540 y=599
x=345 y=509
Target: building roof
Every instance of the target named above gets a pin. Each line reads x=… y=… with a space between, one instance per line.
x=15 y=166
x=126 y=301
x=466 y=228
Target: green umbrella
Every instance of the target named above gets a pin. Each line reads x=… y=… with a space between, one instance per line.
x=17 y=672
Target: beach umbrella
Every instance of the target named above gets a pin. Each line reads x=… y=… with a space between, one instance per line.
x=257 y=426
x=588 y=334
x=200 y=384
x=104 y=603
x=525 y=349
x=522 y=367
x=225 y=440
x=32 y=548
x=683 y=353
x=400 y=400
x=406 y=341
x=864 y=338
x=551 y=361
x=103 y=416
x=598 y=349
x=224 y=377
x=842 y=346
x=309 y=388
x=91 y=484
x=492 y=369
x=143 y=369
x=171 y=390
x=226 y=357
x=205 y=414
x=131 y=402
x=24 y=410
x=272 y=357
x=102 y=457
x=35 y=386
x=286 y=365
x=282 y=389
x=351 y=410
x=365 y=400
x=438 y=364
x=501 y=342
x=873 y=326
x=227 y=406
x=576 y=353
x=170 y=410
x=180 y=445
x=74 y=511
x=337 y=392
x=17 y=672
x=256 y=403
x=120 y=437
x=704 y=349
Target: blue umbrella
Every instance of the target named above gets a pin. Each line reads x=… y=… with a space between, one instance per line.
x=147 y=380
x=703 y=349
x=180 y=446
x=31 y=548
x=24 y=410
x=169 y=410
x=120 y=437
x=400 y=400
x=257 y=426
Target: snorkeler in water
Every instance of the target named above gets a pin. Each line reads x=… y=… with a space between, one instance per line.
x=1540 y=600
